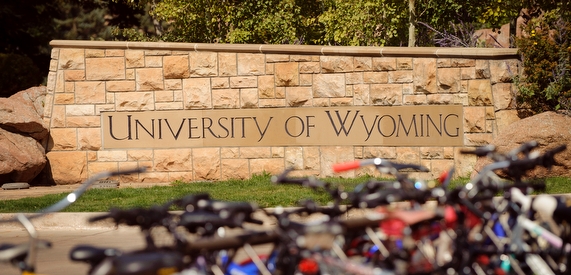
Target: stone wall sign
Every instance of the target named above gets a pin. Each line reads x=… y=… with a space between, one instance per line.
x=432 y=125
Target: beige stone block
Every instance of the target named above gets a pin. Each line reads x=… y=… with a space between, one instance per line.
x=266 y=86
x=53 y=65
x=114 y=52
x=301 y=58
x=134 y=101
x=74 y=75
x=299 y=96
x=386 y=95
x=463 y=62
x=278 y=152
x=186 y=177
x=384 y=63
x=490 y=126
x=255 y=152
x=361 y=64
x=80 y=110
x=69 y=87
x=461 y=99
x=424 y=75
x=280 y=92
x=444 y=63
x=120 y=86
x=65 y=98
x=480 y=92
x=408 y=155
x=503 y=70
x=234 y=169
x=220 y=82
x=63 y=139
x=51 y=82
x=90 y=92
x=273 y=166
x=54 y=54
x=503 y=95
x=474 y=119
x=158 y=52
x=477 y=139
x=179 y=159
x=90 y=53
x=293 y=157
x=130 y=74
x=104 y=108
x=227 y=64
x=400 y=77
x=329 y=85
x=169 y=106
x=448 y=80
x=432 y=152
x=229 y=152
x=404 y=63
x=149 y=79
x=321 y=102
x=60 y=82
x=139 y=154
x=354 y=78
x=243 y=82
x=108 y=68
x=311 y=158
x=306 y=79
x=336 y=64
x=164 y=96
x=197 y=94
x=482 y=68
x=153 y=61
x=98 y=167
x=309 y=67
x=490 y=113
x=331 y=155
x=370 y=152
x=206 y=163
x=178 y=95
x=58 y=116
x=154 y=177
x=203 y=64
x=504 y=119
x=287 y=74
x=226 y=98
x=376 y=77
x=439 y=99
x=343 y=101
x=271 y=102
x=173 y=84
x=251 y=63
x=270 y=69
x=71 y=59
x=67 y=167
x=440 y=166
x=249 y=98
x=361 y=95
x=277 y=58
x=91 y=156
x=414 y=99
x=468 y=73
x=176 y=66
x=83 y=121
x=112 y=155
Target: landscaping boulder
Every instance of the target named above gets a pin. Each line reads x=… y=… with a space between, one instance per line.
x=22 y=133
x=549 y=129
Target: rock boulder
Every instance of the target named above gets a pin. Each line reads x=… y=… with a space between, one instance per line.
x=22 y=133
x=549 y=129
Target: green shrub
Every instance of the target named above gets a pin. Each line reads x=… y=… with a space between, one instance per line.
x=546 y=51
x=17 y=72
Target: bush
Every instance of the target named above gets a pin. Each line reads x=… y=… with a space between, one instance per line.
x=17 y=73
x=545 y=84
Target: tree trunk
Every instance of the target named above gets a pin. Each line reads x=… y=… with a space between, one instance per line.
x=411 y=24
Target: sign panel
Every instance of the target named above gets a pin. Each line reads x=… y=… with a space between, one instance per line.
x=433 y=125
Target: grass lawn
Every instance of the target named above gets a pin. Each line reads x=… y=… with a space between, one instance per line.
x=258 y=189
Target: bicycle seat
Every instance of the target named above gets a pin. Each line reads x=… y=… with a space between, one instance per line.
x=92 y=254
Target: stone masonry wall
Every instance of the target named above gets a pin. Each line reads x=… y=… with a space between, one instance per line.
x=87 y=78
